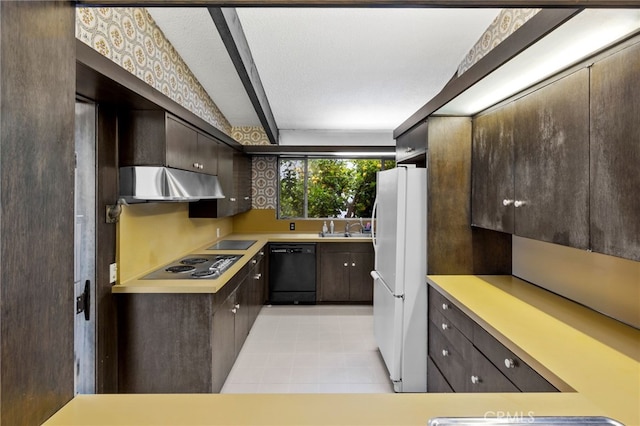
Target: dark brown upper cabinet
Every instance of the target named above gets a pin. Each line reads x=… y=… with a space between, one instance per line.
x=531 y=164
x=411 y=146
x=615 y=154
x=492 y=162
x=156 y=138
x=234 y=174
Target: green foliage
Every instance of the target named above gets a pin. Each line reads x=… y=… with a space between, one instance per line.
x=335 y=187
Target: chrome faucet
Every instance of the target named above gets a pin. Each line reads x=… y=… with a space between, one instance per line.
x=347 y=227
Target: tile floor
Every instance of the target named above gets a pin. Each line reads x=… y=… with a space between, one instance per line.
x=310 y=349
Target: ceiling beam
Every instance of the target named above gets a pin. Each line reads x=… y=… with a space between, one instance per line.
x=230 y=29
x=368 y=3
x=386 y=151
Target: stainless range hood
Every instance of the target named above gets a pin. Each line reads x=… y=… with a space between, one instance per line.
x=148 y=183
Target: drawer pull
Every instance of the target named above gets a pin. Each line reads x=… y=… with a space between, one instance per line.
x=261 y=253
x=509 y=363
x=445 y=352
x=237 y=306
x=346 y=264
x=257 y=276
x=234 y=310
x=445 y=326
x=254 y=261
x=445 y=306
x=475 y=380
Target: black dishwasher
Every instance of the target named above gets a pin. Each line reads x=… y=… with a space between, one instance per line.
x=292 y=273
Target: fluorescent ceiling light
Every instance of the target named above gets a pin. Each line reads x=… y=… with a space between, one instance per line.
x=582 y=36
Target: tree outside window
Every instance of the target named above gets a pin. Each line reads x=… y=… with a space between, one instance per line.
x=328 y=187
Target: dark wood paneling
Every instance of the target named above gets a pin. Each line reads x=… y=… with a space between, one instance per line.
x=164 y=343
x=333 y=284
x=37 y=222
x=360 y=281
x=552 y=162
x=107 y=193
x=453 y=246
x=492 y=164
x=615 y=154
x=436 y=383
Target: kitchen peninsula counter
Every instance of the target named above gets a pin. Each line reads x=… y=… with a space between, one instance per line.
x=592 y=354
x=138 y=285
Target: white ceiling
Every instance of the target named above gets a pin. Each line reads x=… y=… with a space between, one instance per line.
x=330 y=69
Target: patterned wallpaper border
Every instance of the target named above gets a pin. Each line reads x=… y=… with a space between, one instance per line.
x=506 y=23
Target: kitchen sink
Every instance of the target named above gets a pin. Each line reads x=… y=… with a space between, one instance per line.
x=345 y=235
x=515 y=420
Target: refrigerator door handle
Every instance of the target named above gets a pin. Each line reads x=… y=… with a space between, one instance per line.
x=373 y=227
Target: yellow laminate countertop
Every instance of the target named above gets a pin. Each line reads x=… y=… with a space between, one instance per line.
x=138 y=285
x=594 y=355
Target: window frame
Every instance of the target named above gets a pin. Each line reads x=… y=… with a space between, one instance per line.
x=306 y=158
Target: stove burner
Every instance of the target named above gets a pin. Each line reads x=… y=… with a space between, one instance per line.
x=193 y=260
x=179 y=269
x=204 y=274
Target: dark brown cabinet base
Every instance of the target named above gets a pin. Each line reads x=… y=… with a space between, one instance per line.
x=186 y=343
x=463 y=357
x=343 y=272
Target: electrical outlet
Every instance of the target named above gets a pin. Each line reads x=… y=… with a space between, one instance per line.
x=292 y=226
x=217 y=232
x=113 y=272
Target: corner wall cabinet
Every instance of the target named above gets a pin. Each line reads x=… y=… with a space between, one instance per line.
x=531 y=164
x=411 y=146
x=234 y=174
x=344 y=272
x=186 y=343
x=464 y=357
x=156 y=138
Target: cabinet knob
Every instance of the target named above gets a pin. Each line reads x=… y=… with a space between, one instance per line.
x=196 y=165
x=445 y=326
x=257 y=276
x=475 y=380
x=509 y=363
x=201 y=166
x=445 y=352
x=353 y=264
x=346 y=264
x=445 y=306
x=506 y=202
x=233 y=200
x=247 y=198
x=261 y=253
x=254 y=261
x=237 y=306
x=234 y=310
x=519 y=203
x=409 y=149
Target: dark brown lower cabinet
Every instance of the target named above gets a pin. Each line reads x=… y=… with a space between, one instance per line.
x=186 y=343
x=464 y=357
x=344 y=272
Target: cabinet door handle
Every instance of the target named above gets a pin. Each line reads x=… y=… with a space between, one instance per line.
x=445 y=306
x=261 y=253
x=196 y=165
x=519 y=203
x=246 y=198
x=254 y=261
x=445 y=326
x=237 y=306
x=233 y=200
x=509 y=363
x=353 y=264
x=445 y=352
x=346 y=264
x=409 y=149
x=257 y=276
x=201 y=166
x=475 y=380
x=506 y=202
x=234 y=310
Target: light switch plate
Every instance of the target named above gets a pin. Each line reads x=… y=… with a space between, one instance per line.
x=113 y=272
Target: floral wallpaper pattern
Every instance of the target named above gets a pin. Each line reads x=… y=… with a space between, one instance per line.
x=505 y=24
x=249 y=135
x=264 y=177
x=130 y=38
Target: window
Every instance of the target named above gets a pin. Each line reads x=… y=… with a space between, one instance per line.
x=328 y=187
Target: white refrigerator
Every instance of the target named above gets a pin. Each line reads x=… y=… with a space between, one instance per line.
x=400 y=290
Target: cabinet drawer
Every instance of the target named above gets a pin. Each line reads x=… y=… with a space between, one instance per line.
x=452 y=335
x=449 y=361
x=436 y=383
x=485 y=377
x=437 y=302
x=523 y=376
